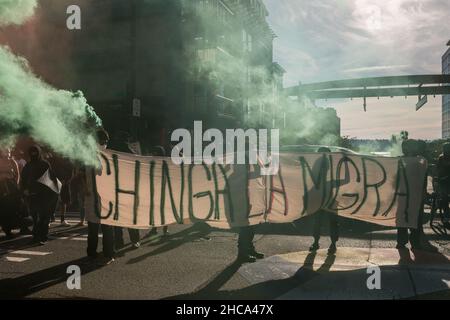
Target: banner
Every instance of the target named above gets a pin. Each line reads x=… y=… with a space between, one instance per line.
x=140 y=192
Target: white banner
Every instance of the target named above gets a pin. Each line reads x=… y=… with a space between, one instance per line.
x=140 y=192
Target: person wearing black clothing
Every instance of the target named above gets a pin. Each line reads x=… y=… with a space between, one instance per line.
x=443 y=168
x=94 y=227
x=246 y=248
x=158 y=151
x=410 y=149
x=42 y=199
x=332 y=218
x=12 y=210
x=120 y=144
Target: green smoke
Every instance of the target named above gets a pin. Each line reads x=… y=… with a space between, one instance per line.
x=240 y=67
x=59 y=119
x=16 y=11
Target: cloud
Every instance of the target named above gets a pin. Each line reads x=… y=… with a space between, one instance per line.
x=376 y=68
x=327 y=40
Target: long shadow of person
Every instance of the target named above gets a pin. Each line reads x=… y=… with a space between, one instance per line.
x=330 y=207
x=23 y=286
x=198 y=230
x=262 y=291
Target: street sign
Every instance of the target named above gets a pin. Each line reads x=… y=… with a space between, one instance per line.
x=422 y=101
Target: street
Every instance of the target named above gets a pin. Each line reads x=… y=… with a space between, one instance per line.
x=197 y=262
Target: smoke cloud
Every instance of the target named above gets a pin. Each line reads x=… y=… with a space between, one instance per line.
x=16 y=11
x=241 y=67
x=59 y=119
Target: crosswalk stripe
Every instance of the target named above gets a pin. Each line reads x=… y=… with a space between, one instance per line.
x=30 y=253
x=16 y=259
x=78 y=239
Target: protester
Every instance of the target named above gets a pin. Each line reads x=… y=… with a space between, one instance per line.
x=120 y=143
x=12 y=213
x=443 y=168
x=410 y=149
x=158 y=151
x=246 y=249
x=93 y=227
x=332 y=218
x=40 y=185
x=78 y=188
x=63 y=169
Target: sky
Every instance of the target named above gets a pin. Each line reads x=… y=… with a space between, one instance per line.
x=325 y=40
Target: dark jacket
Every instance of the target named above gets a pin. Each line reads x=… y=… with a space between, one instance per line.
x=32 y=171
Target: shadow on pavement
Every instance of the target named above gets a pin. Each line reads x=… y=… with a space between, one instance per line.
x=21 y=287
x=262 y=291
x=171 y=242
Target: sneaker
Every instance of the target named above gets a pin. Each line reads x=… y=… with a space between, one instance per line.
x=257 y=255
x=81 y=224
x=65 y=223
x=43 y=242
x=246 y=258
x=107 y=261
x=136 y=245
x=315 y=246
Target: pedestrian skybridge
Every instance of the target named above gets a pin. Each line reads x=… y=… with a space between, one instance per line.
x=393 y=86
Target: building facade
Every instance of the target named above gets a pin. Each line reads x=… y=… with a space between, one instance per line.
x=149 y=67
x=446 y=98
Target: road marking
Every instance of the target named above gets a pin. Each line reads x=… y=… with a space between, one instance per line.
x=30 y=253
x=16 y=259
x=78 y=239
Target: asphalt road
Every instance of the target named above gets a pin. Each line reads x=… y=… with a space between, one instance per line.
x=193 y=262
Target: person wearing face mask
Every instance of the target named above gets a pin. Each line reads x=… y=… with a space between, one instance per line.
x=40 y=185
x=93 y=227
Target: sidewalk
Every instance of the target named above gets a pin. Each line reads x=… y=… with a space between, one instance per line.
x=344 y=276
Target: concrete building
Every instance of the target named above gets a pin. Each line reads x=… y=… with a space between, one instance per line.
x=446 y=98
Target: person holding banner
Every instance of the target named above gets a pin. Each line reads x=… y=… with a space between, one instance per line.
x=120 y=144
x=332 y=218
x=410 y=148
x=443 y=168
x=40 y=185
x=246 y=248
x=93 y=227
